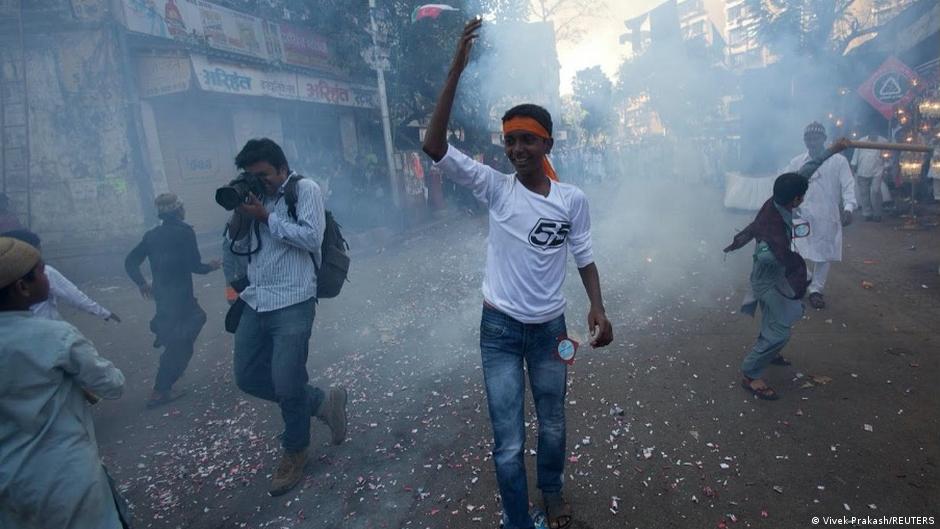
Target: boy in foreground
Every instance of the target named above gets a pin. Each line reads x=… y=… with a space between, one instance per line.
x=534 y=220
x=778 y=278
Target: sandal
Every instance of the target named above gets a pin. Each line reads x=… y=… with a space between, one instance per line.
x=781 y=361
x=557 y=510
x=764 y=393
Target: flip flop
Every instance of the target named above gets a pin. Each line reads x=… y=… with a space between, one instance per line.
x=765 y=393
x=558 y=512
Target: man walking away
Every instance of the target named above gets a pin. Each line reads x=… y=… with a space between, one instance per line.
x=273 y=335
x=50 y=470
x=174 y=257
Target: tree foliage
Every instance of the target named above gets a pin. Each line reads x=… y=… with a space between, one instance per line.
x=569 y=16
x=683 y=86
x=807 y=27
x=594 y=92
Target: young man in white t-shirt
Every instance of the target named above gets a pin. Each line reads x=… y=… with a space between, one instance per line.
x=534 y=221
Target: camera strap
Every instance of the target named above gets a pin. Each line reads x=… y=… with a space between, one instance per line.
x=257 y=229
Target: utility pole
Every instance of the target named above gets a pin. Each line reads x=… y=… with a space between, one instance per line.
x=379 y=63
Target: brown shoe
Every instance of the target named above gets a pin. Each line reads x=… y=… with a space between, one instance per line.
x=332 y=411
x=289 y=472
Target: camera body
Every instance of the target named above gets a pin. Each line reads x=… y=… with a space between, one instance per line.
x=236 y=192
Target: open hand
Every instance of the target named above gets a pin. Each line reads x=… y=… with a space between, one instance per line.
x=113 y=317
x=146 y=291
x=602 y=332
x=471 y=32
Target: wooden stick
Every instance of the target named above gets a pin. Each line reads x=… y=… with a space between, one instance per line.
x=889 y=146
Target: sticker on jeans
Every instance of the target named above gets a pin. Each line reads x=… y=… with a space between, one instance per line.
x=566 y=350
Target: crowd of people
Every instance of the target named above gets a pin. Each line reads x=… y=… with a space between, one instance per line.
x=50 y=470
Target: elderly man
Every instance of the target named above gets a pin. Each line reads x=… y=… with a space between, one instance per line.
x=829 y=186
x=50 y=470
x=174 y=258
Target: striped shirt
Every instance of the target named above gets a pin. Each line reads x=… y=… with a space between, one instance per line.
x=282 y=272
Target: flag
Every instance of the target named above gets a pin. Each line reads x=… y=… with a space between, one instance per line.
x=430 y=11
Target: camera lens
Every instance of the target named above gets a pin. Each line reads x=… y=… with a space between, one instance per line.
x=228 y=197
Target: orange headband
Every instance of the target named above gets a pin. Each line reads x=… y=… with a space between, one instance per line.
x=530 y=125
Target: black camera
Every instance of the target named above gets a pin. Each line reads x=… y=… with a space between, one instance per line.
x=236 y=192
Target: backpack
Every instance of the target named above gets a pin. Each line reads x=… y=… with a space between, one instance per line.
x=334 y=250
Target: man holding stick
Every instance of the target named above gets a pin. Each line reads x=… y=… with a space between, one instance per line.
x=534 y=221
x=831 y=184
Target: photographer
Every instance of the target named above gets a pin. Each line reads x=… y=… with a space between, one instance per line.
x=285 y=229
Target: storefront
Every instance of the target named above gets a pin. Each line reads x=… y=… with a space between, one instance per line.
x=206 y=88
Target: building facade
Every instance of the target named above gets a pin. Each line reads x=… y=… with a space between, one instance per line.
x=126 y=99
x=744 y=49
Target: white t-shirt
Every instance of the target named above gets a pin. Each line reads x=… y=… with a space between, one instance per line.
x=529 y=238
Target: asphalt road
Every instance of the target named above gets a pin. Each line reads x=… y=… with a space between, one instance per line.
x=660 y=434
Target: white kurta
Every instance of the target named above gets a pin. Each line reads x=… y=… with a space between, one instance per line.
x=61 y=289
x=831 y=184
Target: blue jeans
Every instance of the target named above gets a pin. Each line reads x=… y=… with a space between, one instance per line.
x=506 y=344
x=271 y=364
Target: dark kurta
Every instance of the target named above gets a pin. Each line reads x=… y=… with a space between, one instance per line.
x=174 y=256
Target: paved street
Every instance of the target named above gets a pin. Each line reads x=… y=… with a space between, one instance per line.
x=660 y=434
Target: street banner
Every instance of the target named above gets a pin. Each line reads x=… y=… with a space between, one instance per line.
x=891 y=86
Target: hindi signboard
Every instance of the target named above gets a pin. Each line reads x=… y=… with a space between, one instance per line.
x=326 y=91
x=229 y=78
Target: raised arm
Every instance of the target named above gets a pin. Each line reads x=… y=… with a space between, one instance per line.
x=435 y=140
x=812 y=165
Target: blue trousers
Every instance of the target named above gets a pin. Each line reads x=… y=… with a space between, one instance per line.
x=778 y=314
x=271 y=364
x=508 y=346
